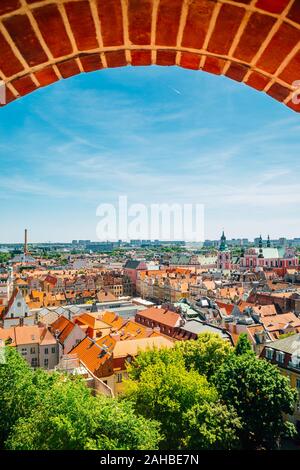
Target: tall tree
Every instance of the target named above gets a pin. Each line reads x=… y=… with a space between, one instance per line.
x=206 y=354
x=260 y=396
x=20 y=390
x=211 y=426
x=180 y=399
x=49 y=411
x=243 y=345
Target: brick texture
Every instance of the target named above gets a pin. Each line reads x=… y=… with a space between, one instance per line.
x=49 y=19
x=226 y=27
x=258 y=44
x=9 y=5
x=111 y=19
x=82 y=24
x=24 y=37
x=197 y=23
x=139 y=17
x=167 y=25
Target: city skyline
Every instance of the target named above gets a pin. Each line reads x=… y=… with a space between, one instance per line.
x=79 y=240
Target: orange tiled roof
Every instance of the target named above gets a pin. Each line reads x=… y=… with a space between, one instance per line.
x=22 y=335
x=93 y=320
x=105 y=296
x=62 y=327
x=164 y=316
x=282 y=319
x=94 y=354
x=227 y=307
x=8 y=334
x=265 y=310
x=134 y=346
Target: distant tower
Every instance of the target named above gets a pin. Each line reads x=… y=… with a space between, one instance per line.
x=268 y=242
x=10 y=283
x=224 y=257
x=260 y=245
x=223 y=244
x=25 y=243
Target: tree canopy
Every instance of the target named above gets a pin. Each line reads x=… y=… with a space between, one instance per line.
x=201 y=394
x=243 y=345
x=235 y=390
x=186 y=405
x=260 y=395
x=53 y=411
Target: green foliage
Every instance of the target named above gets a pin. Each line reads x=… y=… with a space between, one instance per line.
x=185 y=403
x=5 y=257
x=119 y=423
x=287 y=335
x=260 y=396
x=20 y=390
x=152 y=357
x=72 y=418
x=211 y=426
x=197 y=395
x=240 y=403
x=52 y=411
x=243 y=345
x=206 y=354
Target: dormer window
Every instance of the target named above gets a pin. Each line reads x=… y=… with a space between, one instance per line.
x=269 y=353
x=280 y=357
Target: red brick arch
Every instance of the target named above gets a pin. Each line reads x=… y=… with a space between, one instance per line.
x=252 y=41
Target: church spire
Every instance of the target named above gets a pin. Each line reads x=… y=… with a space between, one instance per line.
x=268 y=242
x=223 y=244
x=260 y=245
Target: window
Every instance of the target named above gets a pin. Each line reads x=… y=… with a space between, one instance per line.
x=53 y=350
x=46 y=362
x=34 y=362
x=119 y=378
x=298 y=384
x=280 y=357
x=46 y=350
x=269 y=353
x=32 y=350
x=24 y=352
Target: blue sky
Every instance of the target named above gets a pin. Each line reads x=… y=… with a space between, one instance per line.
x=155 y=134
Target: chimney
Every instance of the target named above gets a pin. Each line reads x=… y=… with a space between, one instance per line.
x=25 y=243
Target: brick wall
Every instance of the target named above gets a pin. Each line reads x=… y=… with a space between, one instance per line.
x=252 y=41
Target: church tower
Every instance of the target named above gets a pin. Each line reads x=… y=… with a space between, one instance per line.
x=10 y=283
x=25 y=243
x=268 y=242
x=260 y=245
x=223 y=244
x=224 y=257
